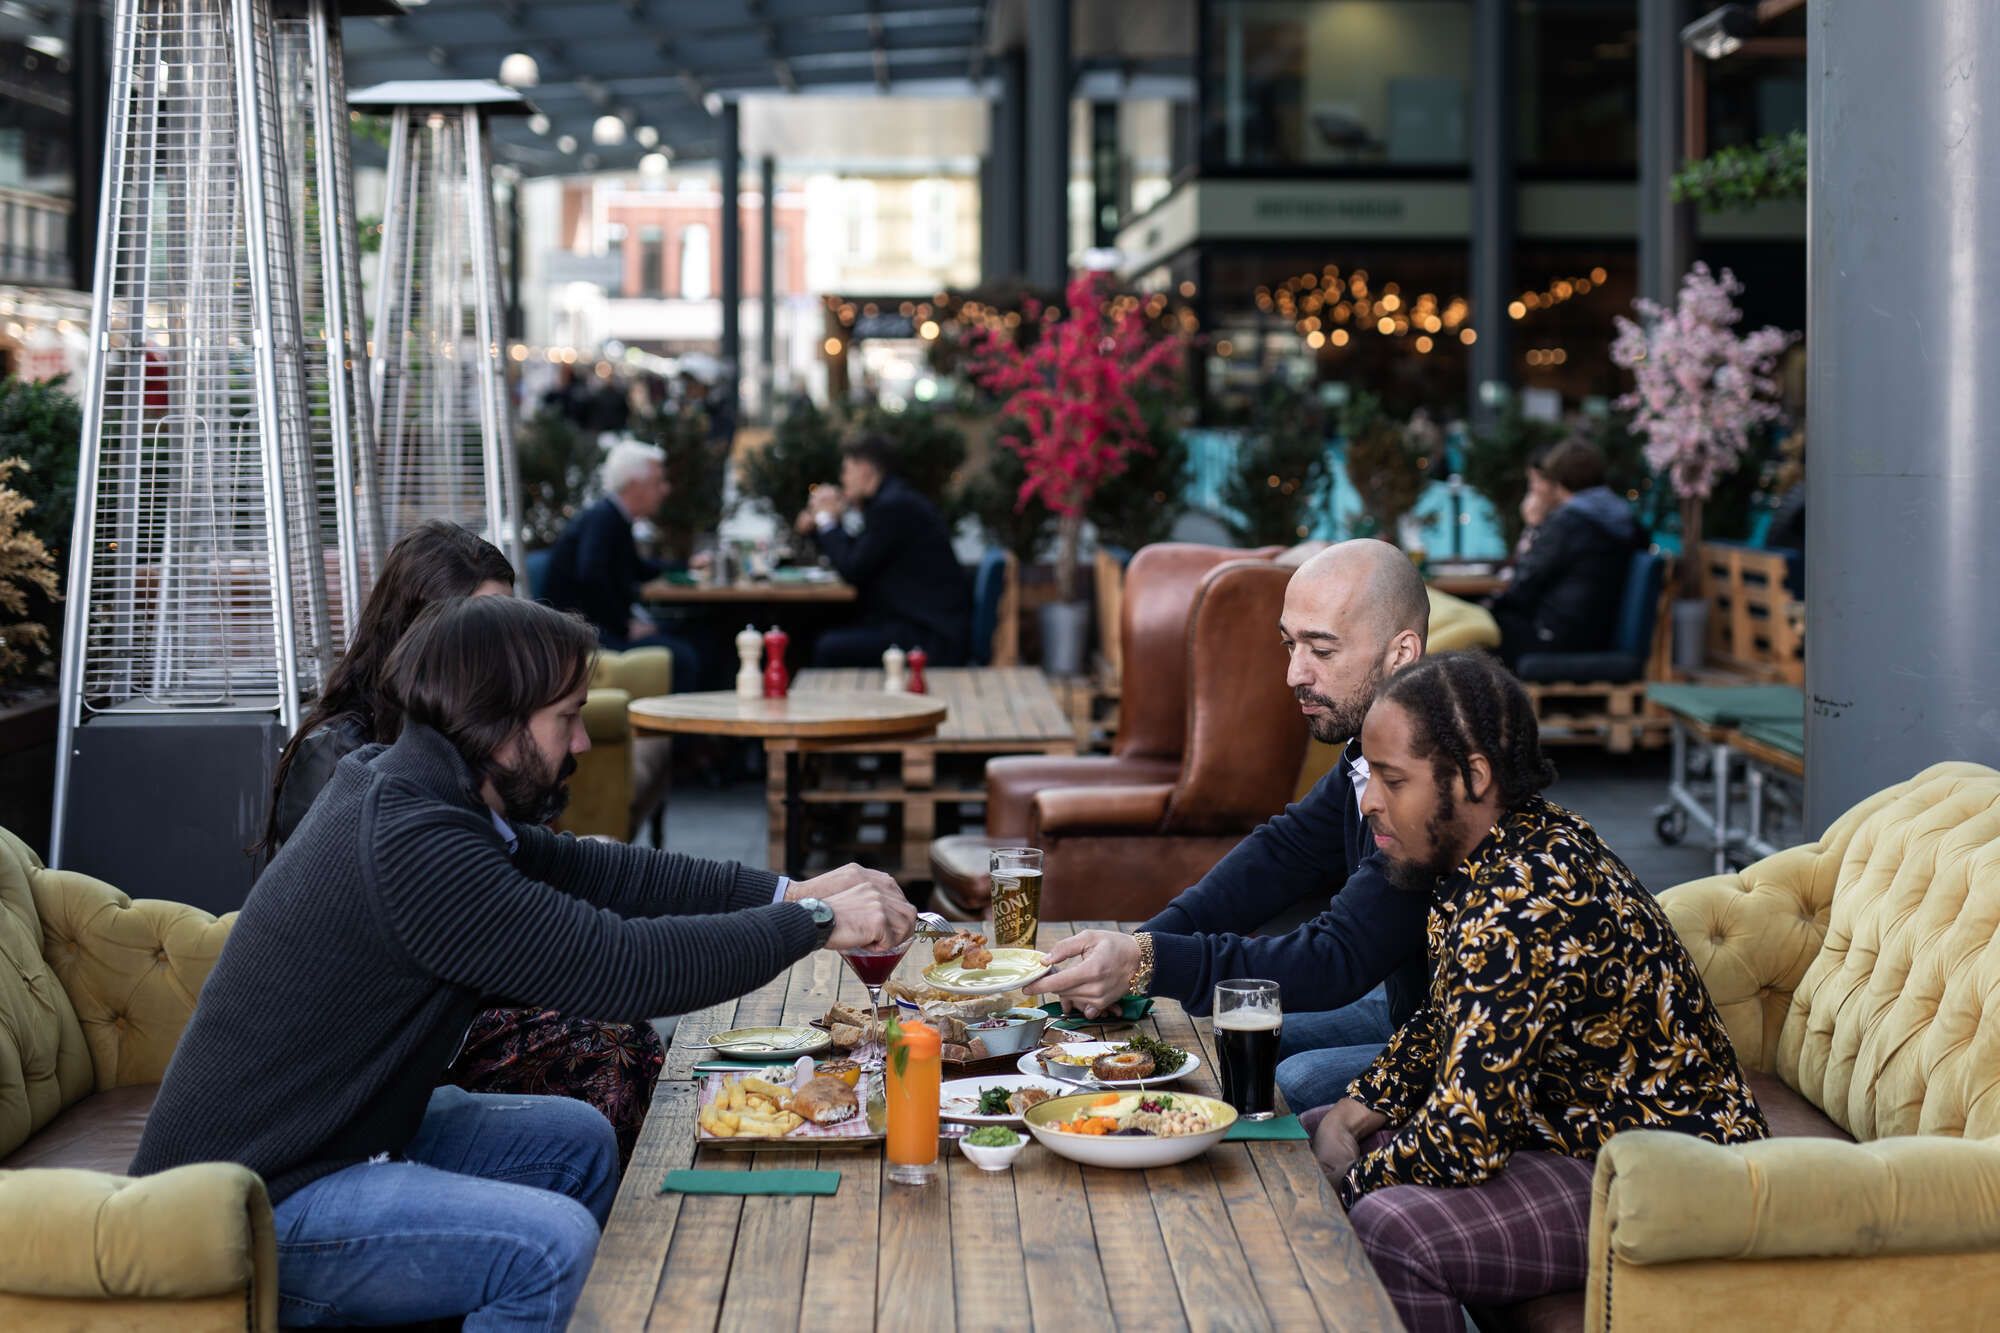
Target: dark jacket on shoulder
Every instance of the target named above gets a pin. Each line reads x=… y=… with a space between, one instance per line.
x=1568 y=586
x=1370 y=933
x=903 y=568
x=596 y=569
x=312 y=768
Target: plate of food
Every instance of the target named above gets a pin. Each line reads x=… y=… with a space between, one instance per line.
x=1130 y=1129
x=785 y=1041
x=1142 y=1062
x=962 y=964
x=818 y=1101
x=997 y=1099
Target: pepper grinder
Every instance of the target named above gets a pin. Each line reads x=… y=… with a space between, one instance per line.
x=893 y=681
x=777 y=682
x=918 y=659
x=749 y=670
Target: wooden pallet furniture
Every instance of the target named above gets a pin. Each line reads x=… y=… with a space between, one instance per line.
x=992 y=711
x=1756 y=630
x=1614 y=714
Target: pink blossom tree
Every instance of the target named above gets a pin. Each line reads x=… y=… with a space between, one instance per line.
x=1076 y=390
x=1699 y=387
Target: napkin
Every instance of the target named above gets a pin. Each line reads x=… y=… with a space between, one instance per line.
x=750 y=1182
x=1130 y=1010
x=1285 y=1127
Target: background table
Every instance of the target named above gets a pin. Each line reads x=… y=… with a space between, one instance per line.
x=747 y=593
x=994 y=711
x=802 y=720
x=1247 y=1236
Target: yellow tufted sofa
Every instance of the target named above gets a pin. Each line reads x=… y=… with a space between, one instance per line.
x=622 y=778
x=1860 y=980
x=94 y=991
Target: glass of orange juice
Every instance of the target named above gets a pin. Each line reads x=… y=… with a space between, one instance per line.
x=911 y=1078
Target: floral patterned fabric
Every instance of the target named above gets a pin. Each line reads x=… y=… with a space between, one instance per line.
x=1562 y=1009
x=613 y=1066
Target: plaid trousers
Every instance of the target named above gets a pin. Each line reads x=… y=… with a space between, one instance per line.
x=1523 y=1233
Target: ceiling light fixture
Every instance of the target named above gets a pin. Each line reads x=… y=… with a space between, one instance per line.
x=1720 y=32
x=538 y=123
x=608 y=132
x=566 y=145
x=520 y=71
x=647 y=136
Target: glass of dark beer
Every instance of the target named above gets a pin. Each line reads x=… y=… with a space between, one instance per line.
x=1247 y=1023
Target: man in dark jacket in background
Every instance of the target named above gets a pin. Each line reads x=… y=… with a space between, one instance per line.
x=1568 y=585
x=1354 y=614
x=596 y=570
x=911 y=590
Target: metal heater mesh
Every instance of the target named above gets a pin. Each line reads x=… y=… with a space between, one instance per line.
x=442 y=421
x=319 y=177
x=201 y=583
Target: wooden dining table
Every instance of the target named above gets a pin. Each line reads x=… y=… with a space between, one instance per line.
x=1246 y=1236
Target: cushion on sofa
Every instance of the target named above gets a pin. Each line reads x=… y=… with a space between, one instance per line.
x=44 y=1061
x=99 y=1133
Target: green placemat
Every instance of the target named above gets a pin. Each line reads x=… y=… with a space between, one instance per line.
x=1284 y=1127
x=751 y=1182
x=735 y=1067
x=1130 y=1010
x=1730 y=705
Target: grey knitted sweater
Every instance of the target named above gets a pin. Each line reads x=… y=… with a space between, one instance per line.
x=392 y=916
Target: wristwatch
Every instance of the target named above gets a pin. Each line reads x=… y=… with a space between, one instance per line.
x=822 y=916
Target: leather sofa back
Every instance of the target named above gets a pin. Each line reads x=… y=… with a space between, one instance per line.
x=44 y=1063
x=1892 y=1029
x=1159 y=591
x=1245 y=735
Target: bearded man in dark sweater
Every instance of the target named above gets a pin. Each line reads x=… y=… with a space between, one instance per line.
x=1354 y=614
x=420 y=888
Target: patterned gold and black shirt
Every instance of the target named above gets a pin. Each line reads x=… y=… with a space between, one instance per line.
x=1562 y=1009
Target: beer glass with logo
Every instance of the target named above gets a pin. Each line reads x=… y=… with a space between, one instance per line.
x=1247 y=1023
x=1017 y=896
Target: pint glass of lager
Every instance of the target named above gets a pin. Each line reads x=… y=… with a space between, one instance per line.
x=1017 y=896
x=1247 y=1023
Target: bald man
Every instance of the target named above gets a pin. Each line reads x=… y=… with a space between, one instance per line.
x=1354 y=614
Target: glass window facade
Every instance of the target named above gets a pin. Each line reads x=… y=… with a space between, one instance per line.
x=1577 y=86
x=37 y=176
x=1380 y=84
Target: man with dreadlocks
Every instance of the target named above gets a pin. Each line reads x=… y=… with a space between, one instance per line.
x=1562 y=1009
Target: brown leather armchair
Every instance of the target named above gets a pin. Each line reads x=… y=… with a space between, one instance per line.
x=1209 y=746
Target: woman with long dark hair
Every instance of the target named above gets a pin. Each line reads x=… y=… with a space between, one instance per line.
x=612 y=1066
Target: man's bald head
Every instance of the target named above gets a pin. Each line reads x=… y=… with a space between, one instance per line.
x=1355 y=613
x=1373 y=581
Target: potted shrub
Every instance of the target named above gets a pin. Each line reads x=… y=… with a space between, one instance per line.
x=1699 y=389
x=1282 y=469
x=558 y=468
x=1076 y=391
x=1139 y=506
x=1387 y=463
x=28 y=706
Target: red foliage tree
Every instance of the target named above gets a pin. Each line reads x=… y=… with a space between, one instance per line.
x=1076 y=389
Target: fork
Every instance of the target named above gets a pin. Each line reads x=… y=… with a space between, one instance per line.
x=930 y=924
x=774 y=1048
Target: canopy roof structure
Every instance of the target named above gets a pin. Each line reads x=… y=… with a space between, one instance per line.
x=667 y=65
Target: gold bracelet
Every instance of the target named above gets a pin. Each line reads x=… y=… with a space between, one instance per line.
x=1143 y=978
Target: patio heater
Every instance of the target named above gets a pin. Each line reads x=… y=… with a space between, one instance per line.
x=443 y=426
x=196 y=621
x=319 y=179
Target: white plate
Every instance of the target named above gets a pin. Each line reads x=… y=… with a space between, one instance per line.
x=957 y=1098
x=1030 y=1065
x=1130 y=1152
x=1011 y=969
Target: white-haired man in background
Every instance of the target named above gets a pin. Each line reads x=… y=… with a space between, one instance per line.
x=596 y=569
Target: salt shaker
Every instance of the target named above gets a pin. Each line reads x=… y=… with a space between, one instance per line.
x=893 y=681
x=750 y=670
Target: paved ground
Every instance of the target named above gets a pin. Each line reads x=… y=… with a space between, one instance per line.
x=1617 y=794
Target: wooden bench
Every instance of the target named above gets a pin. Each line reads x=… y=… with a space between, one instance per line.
x=1755 y=629
x=994 y=711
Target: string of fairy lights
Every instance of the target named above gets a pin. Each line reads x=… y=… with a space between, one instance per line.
x=929 y=319
x=1330 y=308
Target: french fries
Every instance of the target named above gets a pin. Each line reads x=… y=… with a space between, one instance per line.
x=748 y=1107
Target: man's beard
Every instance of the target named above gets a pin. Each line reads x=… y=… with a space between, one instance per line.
x=1422 y=876
x=533 y=791
x=1342 y=719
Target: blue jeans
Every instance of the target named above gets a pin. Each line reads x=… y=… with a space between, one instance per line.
x=1320 y=1054
x=493 y=1215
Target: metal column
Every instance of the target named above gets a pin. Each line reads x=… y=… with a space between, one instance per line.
x=1665 y=228
x=728 y=399
x=767 y=285
x=90 y=92
x=1049 y=78
x=1903 y=660
x=1492 y=258
x=1004 y=181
